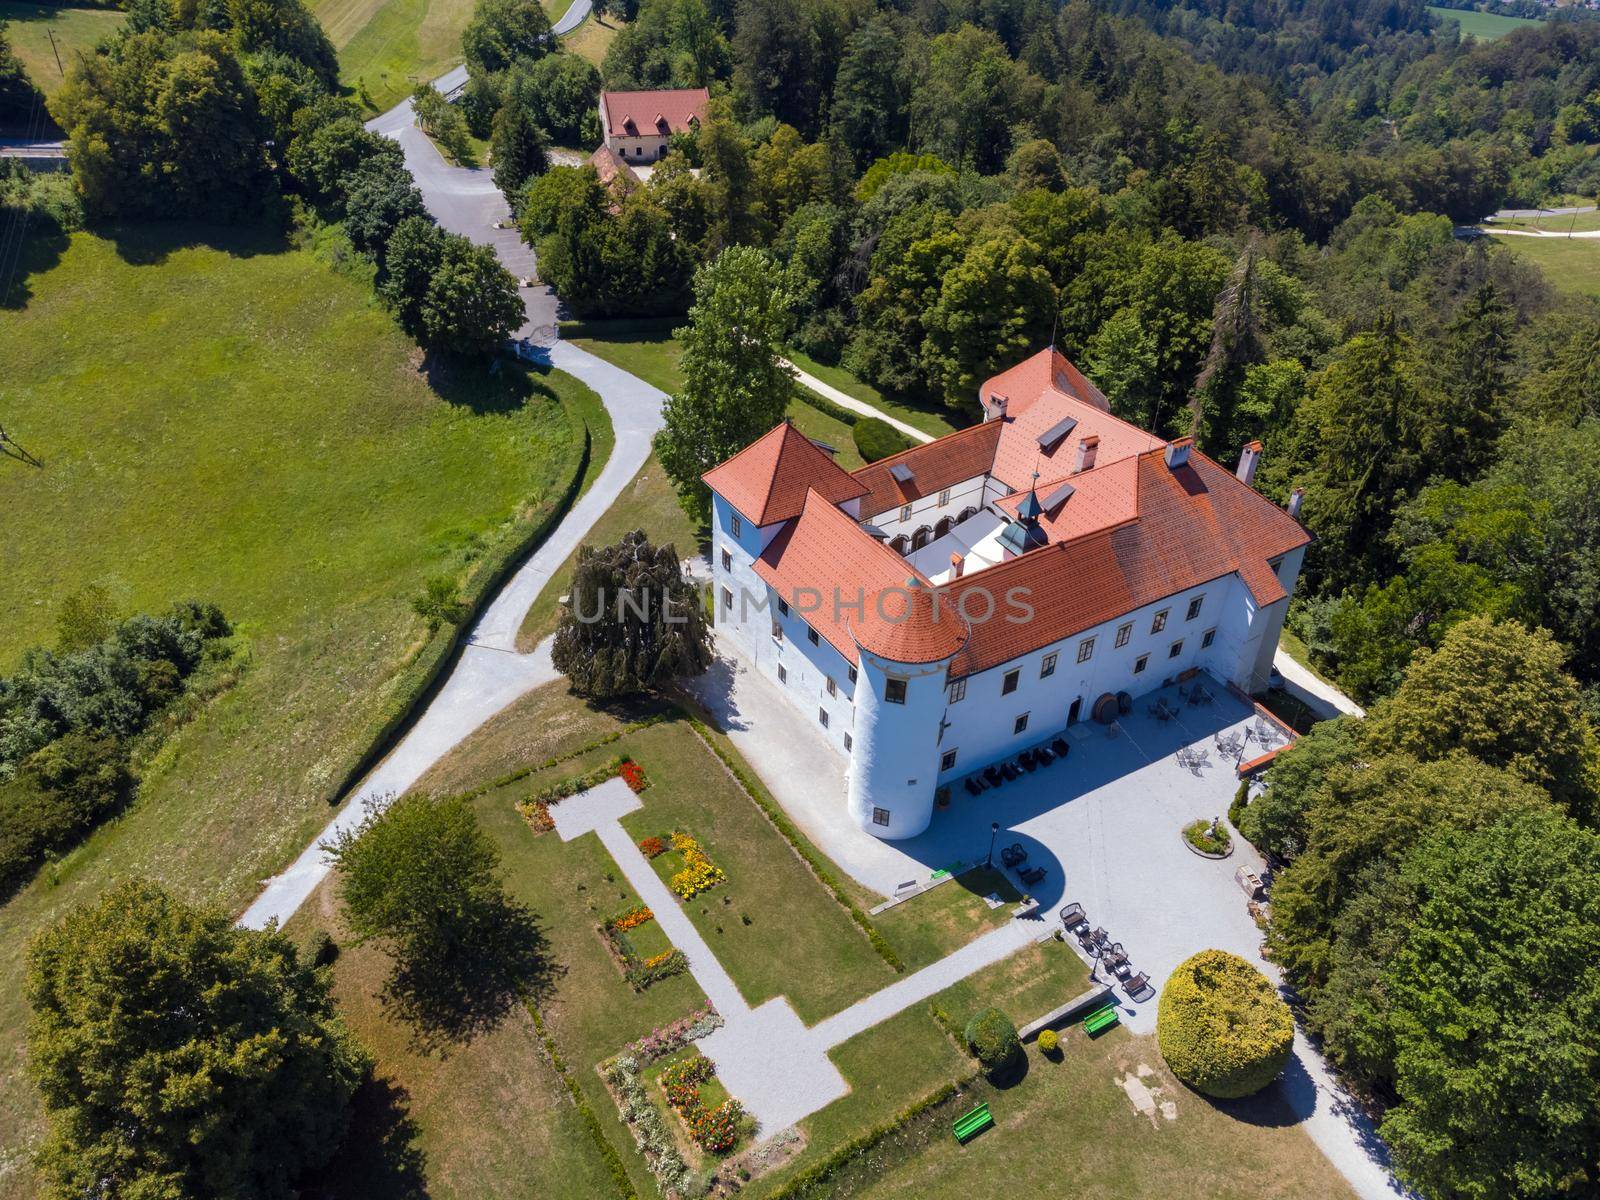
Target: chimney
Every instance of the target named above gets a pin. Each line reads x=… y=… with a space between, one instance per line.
x=994 y=408
x=1086 y=452
x=957 y=565
x=1296 y=499
x=1249 y=460
x=1178 y=452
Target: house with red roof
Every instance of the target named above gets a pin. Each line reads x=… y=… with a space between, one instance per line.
x=637 y=125
x=950 y=606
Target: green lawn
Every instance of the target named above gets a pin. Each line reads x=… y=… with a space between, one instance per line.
x=386 y=47
x=1556 y=223
x=1481 y=25
x=28 y=28
x=930 y=419
x=925 y=928
x=233 y=420
x=1571 y=264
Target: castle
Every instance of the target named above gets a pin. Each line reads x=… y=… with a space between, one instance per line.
x=952 y=605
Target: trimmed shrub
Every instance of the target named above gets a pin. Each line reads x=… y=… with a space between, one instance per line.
x=992 y=1038
x=877 y=439
x=1241 y=801
x=1222 y=1026
x=1049 y=1042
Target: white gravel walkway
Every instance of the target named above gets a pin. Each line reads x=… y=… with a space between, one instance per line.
x=846 y=400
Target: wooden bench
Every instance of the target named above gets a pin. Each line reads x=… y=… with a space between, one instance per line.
x=970 y=1125
x=1098 y=1022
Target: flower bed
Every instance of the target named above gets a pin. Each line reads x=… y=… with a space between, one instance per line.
x=535 y=809
x=699 y=873
x=631 y=919
x=714 y=1130
x=659 y=1043
x=1209 y=838
x=639 y=970
x=652 y=847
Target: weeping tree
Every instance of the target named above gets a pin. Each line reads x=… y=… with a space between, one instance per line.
x=632 y=621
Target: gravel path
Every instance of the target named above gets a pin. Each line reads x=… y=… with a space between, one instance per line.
x=846 y=400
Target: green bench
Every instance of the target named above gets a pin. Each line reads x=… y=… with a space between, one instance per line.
x=970 y=1125
x=1100 y=1020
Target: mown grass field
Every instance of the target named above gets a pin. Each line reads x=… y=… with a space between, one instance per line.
x=1554 y=223
x=28 y=28
x=1571 y=264
x=220 y=416
x=1481 y=25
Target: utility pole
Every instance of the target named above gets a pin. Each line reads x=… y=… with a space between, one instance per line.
x=51 y=33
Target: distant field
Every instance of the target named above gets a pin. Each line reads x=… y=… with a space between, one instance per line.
x=1481 y=25
x=1572 y=264
x=593 y=38
x=75 y=29
x=386 y=47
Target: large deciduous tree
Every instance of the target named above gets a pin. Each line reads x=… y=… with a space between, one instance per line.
x=517 y=152
x=869 y=93
x=422 y=878
x=1494 y=1002
x=735 y=385
x=181 y=1056
x=633 y=621
x=502 y=33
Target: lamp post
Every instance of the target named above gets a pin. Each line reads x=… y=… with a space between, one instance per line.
x=994 y=832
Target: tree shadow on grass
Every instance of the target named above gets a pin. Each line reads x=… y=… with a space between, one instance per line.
x=453 y=988
x=498 y=385
x=41 y=250
x=380 y=1157
x=1288 y=1100
x=150 y=245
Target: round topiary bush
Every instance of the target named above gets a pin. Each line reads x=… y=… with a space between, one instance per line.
x=1222 y=1027
x=992 y=1038
x=1049 y=1042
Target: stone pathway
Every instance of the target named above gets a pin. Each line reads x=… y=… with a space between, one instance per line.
x=845 y=400
x=766 y=1056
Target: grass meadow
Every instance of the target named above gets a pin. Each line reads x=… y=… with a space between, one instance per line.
x=218 y=415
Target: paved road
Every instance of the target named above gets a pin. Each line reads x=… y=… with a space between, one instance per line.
x=1497 y=231
x=32 y=148
x=1506 y=214
x=490 y=674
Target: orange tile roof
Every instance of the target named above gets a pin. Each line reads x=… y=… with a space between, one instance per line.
x=1194 y=524
x=768 y=480
x=1040 y=392
x=644 y=110
x=825 y=552
x=1103 y=496
x=609 y=167
x=936 y=465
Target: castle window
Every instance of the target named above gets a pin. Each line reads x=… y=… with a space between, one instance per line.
x=894 y=691
x=727 y=600
x=1175 y=649
x=849 y=743
x=783 y=606
x=958 y=690
x=1086 y=650
x=811 y=636
x=853 y=674
x=1047 y=668
x=1124 y=632
x=833 y=688
x=822 y=717
x=727 y=561
x=1160 y=622
x=905 y=512
x=880 y=816
x=1140 y=663
x=735 y=526
x=1205 y=642
x=1194 y=608
x=1020 y=725
x=948 y=761
x=1009 y=683
x=944 y=497
x=783 y=673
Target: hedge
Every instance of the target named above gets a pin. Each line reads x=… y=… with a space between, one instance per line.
x=802 y=847
x=418 y=677
x=819 y=1174
x=877 y=439
x=619 y=1173
x=827 y=407
x=1222 y=1027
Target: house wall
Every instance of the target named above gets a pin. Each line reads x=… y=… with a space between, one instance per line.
x=970 y=493
x=896 y=753
x=645 y=149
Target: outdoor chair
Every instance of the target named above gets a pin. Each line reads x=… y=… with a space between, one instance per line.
x=973 y=786
x=1090 y=946
x=1009 y=770
x=1032 y=875
x=1029 y=763
x=1073 y=916
x=1060 y=746
x=1136 y=985
x=992 y=774
x=1101 y=938
x=1013 y=855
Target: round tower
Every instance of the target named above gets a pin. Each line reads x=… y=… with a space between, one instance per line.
x=904 y=645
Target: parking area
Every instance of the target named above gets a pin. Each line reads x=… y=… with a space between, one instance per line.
x=1104 y=823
